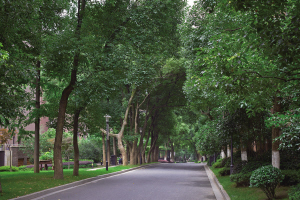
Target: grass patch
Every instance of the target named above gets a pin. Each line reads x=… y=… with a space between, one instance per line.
x=247 y=193
x=15 y=184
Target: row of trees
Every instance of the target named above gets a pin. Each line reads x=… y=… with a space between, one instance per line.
x=235 y=61
x=88 y=59
x=243 y=73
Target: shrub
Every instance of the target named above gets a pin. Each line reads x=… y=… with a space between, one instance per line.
x=238 y=166
x=291 y=177
x=46 y=155
x=90 y=148
x=25 y=168
x=251 y=166
x=81 y=165
x=241 y=179
x=294 y=193
x=266 y=178
x=7 y=169
x=224 y=171
x=225 y=161
x=289 y=159
x=217 y=164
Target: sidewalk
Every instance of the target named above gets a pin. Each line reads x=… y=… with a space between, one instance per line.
x=218 y=189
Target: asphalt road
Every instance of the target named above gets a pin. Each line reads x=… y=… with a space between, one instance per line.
x=168 y=181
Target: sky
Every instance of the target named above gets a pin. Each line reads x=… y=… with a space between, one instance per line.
x=190 y=2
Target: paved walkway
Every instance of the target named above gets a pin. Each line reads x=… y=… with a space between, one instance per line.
x=167 y=181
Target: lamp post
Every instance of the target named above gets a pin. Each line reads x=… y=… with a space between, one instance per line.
x=107 y=139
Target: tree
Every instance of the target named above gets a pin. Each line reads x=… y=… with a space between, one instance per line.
x=239 y=62
x=5 y=135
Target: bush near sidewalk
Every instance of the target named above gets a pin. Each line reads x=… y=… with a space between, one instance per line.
x=7 y=169
x=294 y=193
x=224 y=171
x=241 y=179
x=247 y=193
x=218 y=164
x=291 y=177
x=266 y=178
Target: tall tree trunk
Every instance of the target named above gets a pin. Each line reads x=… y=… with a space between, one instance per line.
x=75 y=143
x=0 y=187
x=276 y=133
x=133 y=153
x=153 y=143
x=58 y=165
x=103 y=149
x=37 y=121
x=243 y=151
x=166 y=153
x=196 y=156
x=134 y=148
x=228 y=151
x=114 y=147
x=143 y=157
x=123 y=151
x=145 y=147
x=128 y=148
x=119 y=136
x=172 y=152
x=155 y=154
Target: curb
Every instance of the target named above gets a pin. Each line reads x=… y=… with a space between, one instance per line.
x=47 y=192
x=218 y=189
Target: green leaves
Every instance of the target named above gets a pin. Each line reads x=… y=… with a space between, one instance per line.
x=267 y=178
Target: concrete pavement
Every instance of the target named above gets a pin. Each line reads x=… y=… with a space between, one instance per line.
x=159 y=181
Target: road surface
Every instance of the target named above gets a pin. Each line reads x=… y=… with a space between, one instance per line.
x=166 y=181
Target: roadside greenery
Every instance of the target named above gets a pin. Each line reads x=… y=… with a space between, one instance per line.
x=294 y=192
x=247 y=193
x=186 y=80
x=266 y=178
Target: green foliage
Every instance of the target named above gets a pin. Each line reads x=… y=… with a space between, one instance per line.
x=289 y=121
x=241 y=179
x=251 y=166
x=266 y=178
x=241 y=54
x=291 y=177
x=90 y=148
x=7 y=168
x=224 y=171
x=47 y=155
x=294 y=193
x=289 y=159
x=80 y=166
x=225 y=162
x=238 y=166
x=46 y=144
x=218 y=164
x=24 y=168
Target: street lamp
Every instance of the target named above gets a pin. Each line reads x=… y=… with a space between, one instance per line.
x=107 y=139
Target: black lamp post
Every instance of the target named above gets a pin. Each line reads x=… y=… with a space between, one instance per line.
x=107 y=139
